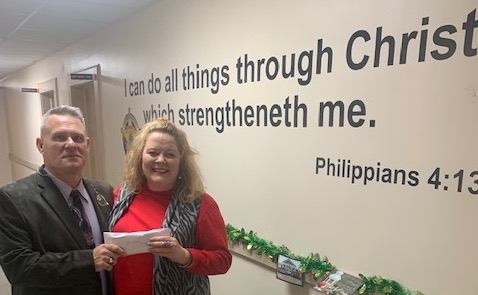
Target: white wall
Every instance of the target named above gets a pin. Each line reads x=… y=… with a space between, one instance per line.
x=5 y=173
x=264 y=178
x=5 y=177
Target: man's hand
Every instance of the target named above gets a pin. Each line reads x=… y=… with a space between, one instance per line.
x=106 y=255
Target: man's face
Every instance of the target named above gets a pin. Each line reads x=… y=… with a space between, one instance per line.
x=64 y=145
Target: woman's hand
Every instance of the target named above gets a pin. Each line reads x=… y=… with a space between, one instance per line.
x=169 y=247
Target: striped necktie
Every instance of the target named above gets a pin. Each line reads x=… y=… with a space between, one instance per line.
x=82 y=218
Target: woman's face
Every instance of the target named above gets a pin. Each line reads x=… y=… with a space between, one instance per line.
x=161 y=159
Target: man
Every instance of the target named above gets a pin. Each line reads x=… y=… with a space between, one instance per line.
x=44 y=232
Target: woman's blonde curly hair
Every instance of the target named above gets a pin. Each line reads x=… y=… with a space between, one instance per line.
x=189 y=185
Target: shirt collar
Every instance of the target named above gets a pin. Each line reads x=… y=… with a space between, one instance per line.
x=65 y=189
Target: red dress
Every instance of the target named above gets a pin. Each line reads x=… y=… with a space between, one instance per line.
x=133 y=275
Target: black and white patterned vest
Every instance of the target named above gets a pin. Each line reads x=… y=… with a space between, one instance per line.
x=169 y=278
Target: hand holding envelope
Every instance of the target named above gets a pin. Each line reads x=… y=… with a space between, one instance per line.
x=134 y=242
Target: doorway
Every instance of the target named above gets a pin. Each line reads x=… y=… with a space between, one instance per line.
x=85 y=95
x=48 y=95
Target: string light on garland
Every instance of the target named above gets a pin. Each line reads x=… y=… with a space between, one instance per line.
x=312 y=265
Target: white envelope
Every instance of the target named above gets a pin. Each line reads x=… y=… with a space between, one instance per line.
x=134 y=242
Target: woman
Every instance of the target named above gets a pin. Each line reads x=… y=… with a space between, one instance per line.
x=163 y=189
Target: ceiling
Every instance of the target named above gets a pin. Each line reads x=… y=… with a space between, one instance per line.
x=30 y=30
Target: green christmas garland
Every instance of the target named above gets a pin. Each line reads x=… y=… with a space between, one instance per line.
x=312 y=265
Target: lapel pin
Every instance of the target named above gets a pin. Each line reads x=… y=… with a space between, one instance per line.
x=101 y=200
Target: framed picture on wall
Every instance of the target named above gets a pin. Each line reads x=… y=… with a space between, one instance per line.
x=338 y=282
x=288 y=270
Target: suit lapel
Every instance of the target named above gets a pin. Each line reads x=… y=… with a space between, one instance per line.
x=101 y=205
x=56 y=201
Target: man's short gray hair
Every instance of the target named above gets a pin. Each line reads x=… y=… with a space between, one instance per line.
x=64 y=110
